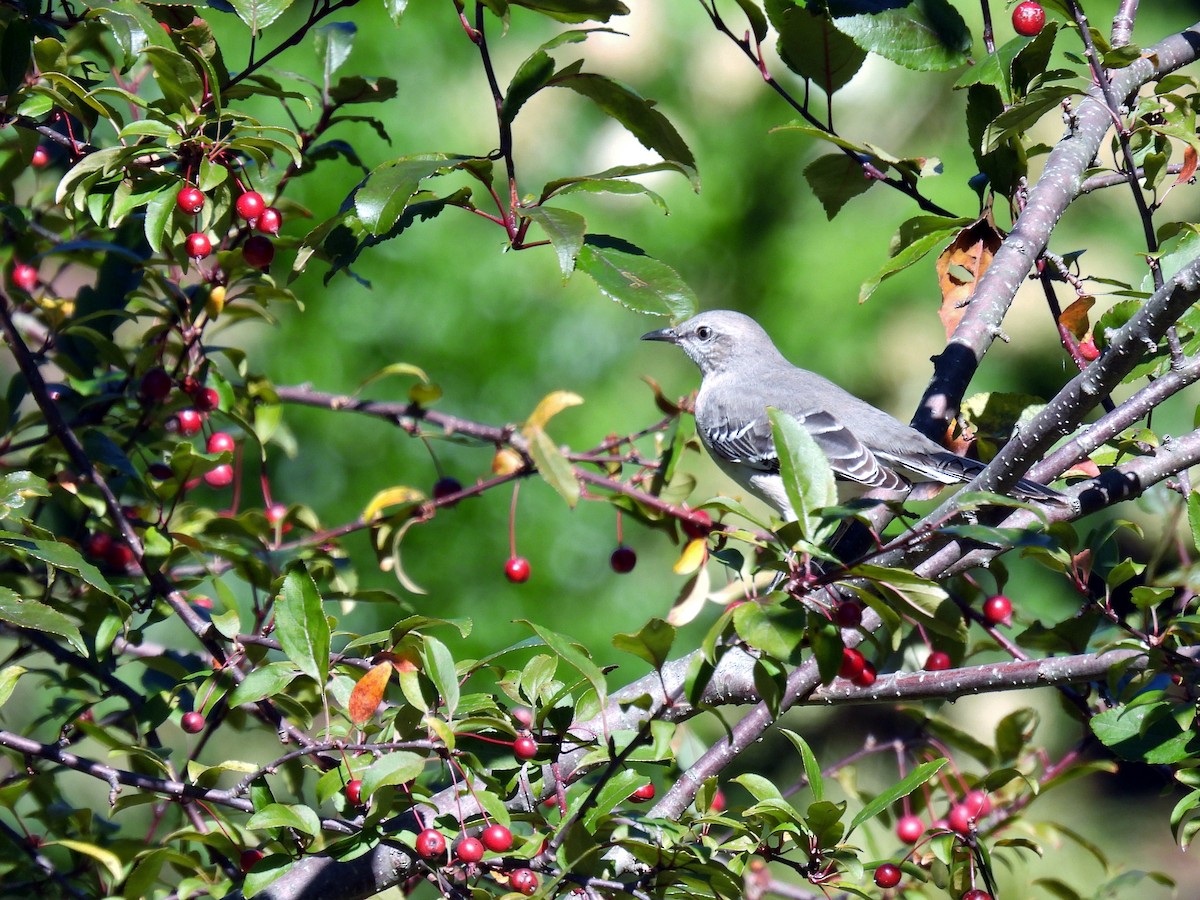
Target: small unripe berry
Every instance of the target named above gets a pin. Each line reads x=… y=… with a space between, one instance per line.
x=41 y=157
x=517 y=570
x=997 y=610
x=497 y=838
x=1028 y=18
x=644 y=794
x=270 y=221
x=190 y=200
x=525 y=747
x=469 y=850
x=249 y=858
x=887 y=875
x=190 y=422
x=220 y=442
x=25 y=277
x=523 y=881
x=430 y=844
x=192 y=722
x=250 y=205
x=198 y=245
x=258 y=251
x=623 y=560
x=354 y=791
x=221 y=476
x=909 y=829
x=937 y=661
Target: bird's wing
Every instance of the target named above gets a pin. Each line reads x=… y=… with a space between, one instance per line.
x=751 y=444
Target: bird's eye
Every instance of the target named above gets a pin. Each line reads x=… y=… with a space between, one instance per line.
x=704 y=332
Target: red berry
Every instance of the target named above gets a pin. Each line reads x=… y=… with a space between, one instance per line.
x=961 y=818
x=249 y=858
x=202 y=602
x=445 y=487
x=190 y=421
x=887 y=875
x=853 y=663
x=190 y=199
x=198 y=245
x=909 y=829
x=276 y=513
x=192 y=722
x=25 y=277
x=220 y=442
x=469 y=850
x=523 y=715
x=258 y=251
x=1028 y=18
x=517 y=570
x=156 y=385
x=41 y=157
x=976 y=894
x=623 y=560
x=497 y=838
x=698 y=524
x=525 y=747
x=848 y=614
x=1088 y=349
x=250 y=205
x=937 y=661
x=353 y=791
x=523 y=881
x=98 y=544
x=119 y=556
x=718 y=802
x=206 y=399
x=221 y=476
x=430 y=844
x=977 y=803
x=997 y=610
x=866 y=677
x=644 y=794
x=270 y=221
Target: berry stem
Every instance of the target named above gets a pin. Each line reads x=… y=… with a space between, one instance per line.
x=512 y=522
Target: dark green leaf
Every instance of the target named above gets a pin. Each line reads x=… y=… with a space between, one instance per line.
x=813 y=47
x=25 y=613
x=394 y=767
x=576 y=10
x=60 y=556
x=258 y=14
x=807 y=475
x=626 y=274
x=835 y=179
x=301 y=626
x=334 y=42
x=565 y=230
x=439 y=665
x=776 y=630
x=909 y=783
x=926 y=35
x=1147 y=732
x=652 y=642
x=531 y=76
x=812 y=769
x=915 y=239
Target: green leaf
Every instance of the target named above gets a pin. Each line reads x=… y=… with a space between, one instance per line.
x=132 y=27
x=553 y=466
x=531 y=76
x=279 y=815
x=334 y=42
x=925 y=35
x=575 y=10
x=913 y=780
x=60 y=556
x=776 y=630
x=36 y=616
x=812 y=769
x=638 y=115
x=652 y=642
x=626 y=274
x=914 y=240
x=616 y=791
x=811 y=45
x=439 y=665
x=807 y=476
x=395 y=767
x=388 y=189
x=573 y=655
x=301 y=626
x=265 y=681
x=835 y=179
x=1025 y=114
x=17 y=488
x=8 y=681
x=1184 y=821
x=1146 y=732
x=177 y=78
x=258 y=14
x=565 y=230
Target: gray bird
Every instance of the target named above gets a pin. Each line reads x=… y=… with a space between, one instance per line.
x=742 y=374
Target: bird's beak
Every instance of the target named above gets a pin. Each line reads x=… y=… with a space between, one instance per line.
x=670 y=335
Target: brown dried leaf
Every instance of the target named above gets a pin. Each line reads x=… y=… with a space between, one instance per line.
x=1188 y=172
x=660 y=400
x=368 y=693
x=962 y=264
x=1075 y=317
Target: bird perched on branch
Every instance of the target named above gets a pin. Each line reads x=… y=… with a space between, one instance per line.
x=743 y=374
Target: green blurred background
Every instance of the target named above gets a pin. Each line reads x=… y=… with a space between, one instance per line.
x=499 y=330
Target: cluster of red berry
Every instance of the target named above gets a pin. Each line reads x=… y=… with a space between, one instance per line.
x=258 y=251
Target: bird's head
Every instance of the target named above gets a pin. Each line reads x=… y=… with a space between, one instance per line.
x=718 y=340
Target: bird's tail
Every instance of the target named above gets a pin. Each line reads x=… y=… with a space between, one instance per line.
x=948 y=468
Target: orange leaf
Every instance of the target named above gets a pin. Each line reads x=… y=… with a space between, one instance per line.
x=368 y=693
x=1188 y=172
x=1084 y=467
x=1075 y=317
x=962 y=264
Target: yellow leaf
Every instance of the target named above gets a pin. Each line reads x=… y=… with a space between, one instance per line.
x=106 y=858
x=368 y=693
x=215 y=302
x=695 y=554
x=425 y=393
x=551 y=405
x=506 y=461
x=393 y=496
x=690 y=600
